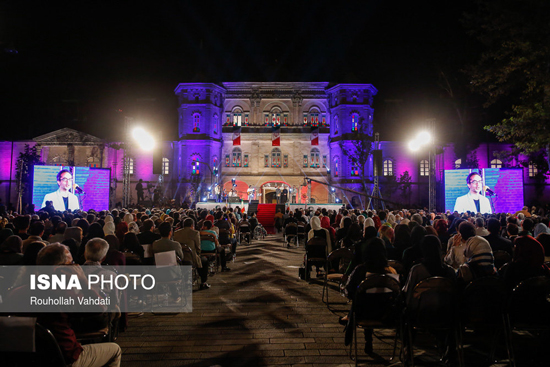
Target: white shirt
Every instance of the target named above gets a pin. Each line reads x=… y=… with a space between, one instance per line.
x=466 y=203
x=57 y=198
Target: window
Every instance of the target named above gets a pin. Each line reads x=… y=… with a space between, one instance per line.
x=336 y=167
x=335 y=125
x=245 y=160
x=313 y=117
x=227 y=159
x=354 y=122
x=266 y=160
x=165 y=166
x=215 y=165
x=237 y=118
x=305 y=160
x=532 y=169
x=424 y=168
x=196 y=122
x=94 y=162
x=388 y=167
x=496 y=163
x=354 y=168
x=276 y=157
x=216 y=120
x=236 y=157
x=195 y=167
x=130 y=166
x=285 y=161
x=458 y=163
x=227 y=120
x=314 y=158
x=324 y=161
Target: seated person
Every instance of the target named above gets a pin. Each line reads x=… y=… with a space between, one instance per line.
x=210 y=244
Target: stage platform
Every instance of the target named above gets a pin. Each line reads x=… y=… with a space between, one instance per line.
x=212 y=206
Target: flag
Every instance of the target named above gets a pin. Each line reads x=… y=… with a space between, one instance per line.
x=276 y=137
x=314 y=137
x=236 y=135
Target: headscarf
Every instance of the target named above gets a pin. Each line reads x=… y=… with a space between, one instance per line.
x=325 y=223
x=369 y=223
x=210 y=217
x=109 y=227
x=529 y=252
x=121 y=230
x=315 y=223
x=440 y=226
x=540 y=228
x=128 y=218
x=431 y=255
x=95 y=231
x=480 y=256
x=391 y=220
x=377 y=222
x=133 y=227
x=12 y=244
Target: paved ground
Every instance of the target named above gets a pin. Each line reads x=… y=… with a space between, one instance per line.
x=258 y=314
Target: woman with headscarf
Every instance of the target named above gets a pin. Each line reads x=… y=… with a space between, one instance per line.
x=121 y=230
x=109 y=226
x=325 y=223
x=128 y=218
x=318 y=231
x=354 y=235
x=456 y=246
x=480 y=262
x=114 y=256
x=431 y=265
x=377 y=222
x=440 y=225
x=133 y=228
x=343 y=230
x=527 y=262
x=4 y=234
x=402 y=240
x=387 y=235
x=131 y=244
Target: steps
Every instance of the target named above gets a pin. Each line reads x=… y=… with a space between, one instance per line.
x=266 y=216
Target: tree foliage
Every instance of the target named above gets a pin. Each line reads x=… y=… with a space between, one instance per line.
x=358 y=150
x=515 y=68
x=27 y=159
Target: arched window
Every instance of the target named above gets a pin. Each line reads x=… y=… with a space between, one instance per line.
x=354 y=122
x=93 y=162
x=215 y=165
x=496 y=163
x=336 y=125
x=458 y=163
x=532 y=169
x=236 y=157
x=388 y=167
x=195 y=169
x=274 y=117
x=424 y=168
x=165 y=166
x=313 y=117
x=276 y=157
x=336 y=166
x=237 y=117
x=216 y=122
x=315 y=158
x=196 y=122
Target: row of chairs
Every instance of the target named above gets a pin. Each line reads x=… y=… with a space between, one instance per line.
x=294 y=233
x=436 y=305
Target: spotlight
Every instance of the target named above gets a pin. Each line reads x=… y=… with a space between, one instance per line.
x=143 y=138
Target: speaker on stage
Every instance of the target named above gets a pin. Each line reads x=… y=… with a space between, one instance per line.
x=377 y=162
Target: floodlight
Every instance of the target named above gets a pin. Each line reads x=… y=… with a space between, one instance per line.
x=143 y=138
x=413 y=145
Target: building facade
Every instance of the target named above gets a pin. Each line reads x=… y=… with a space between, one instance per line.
x=265 y=136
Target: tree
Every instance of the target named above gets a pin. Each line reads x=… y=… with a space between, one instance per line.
x=358 y=150
x=405 y=186
x=514 y=68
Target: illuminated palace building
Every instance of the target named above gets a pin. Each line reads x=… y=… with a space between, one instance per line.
x=268 y=136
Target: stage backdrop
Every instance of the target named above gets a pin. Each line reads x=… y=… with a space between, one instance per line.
x=93 y=181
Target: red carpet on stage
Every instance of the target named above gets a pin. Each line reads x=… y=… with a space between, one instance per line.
x=266 y=216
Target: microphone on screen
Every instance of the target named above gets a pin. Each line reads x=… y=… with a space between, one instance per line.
x=78 y=189
x=488 y=190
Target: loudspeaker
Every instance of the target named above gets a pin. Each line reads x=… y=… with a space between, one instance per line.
x=377 y=162
x=157 y=161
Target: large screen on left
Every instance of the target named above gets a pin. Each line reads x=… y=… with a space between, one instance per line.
x=88 y=187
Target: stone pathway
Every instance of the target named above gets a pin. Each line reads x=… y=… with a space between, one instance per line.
x=258 y=314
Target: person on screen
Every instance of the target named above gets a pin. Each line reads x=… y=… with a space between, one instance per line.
x=473 y=201
x=63 y=199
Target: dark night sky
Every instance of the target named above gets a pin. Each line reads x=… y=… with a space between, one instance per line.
x=78 y=63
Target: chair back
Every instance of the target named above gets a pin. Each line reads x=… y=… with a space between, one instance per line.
x=167 y=258
x=483 y=302
x=244 y=228
x=208 y=237
x=132 y=258
x=376 y=299
x=398 y=266
x=529 y=305
x=433 y=304
x=501 y=258
x=291 y=229
x=342 y=257
x=316 y=249
x=224 y=237
x=187 y=252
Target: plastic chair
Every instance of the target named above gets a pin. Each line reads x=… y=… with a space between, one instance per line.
x=170 y=261
x=316 y=254
x=301 y=234
x=432 y=307
x=529 y=307
x=483 y=307
x=291 y=234
x=244 y=234
x=342 y=257
x=376 y=306
x=213 y=257
x=38 y=348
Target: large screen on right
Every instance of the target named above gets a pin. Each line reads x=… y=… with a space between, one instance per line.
x=505 y=183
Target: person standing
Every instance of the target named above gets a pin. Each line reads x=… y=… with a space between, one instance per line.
x=139 y=189
x=278 y=194
x=473 y=201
